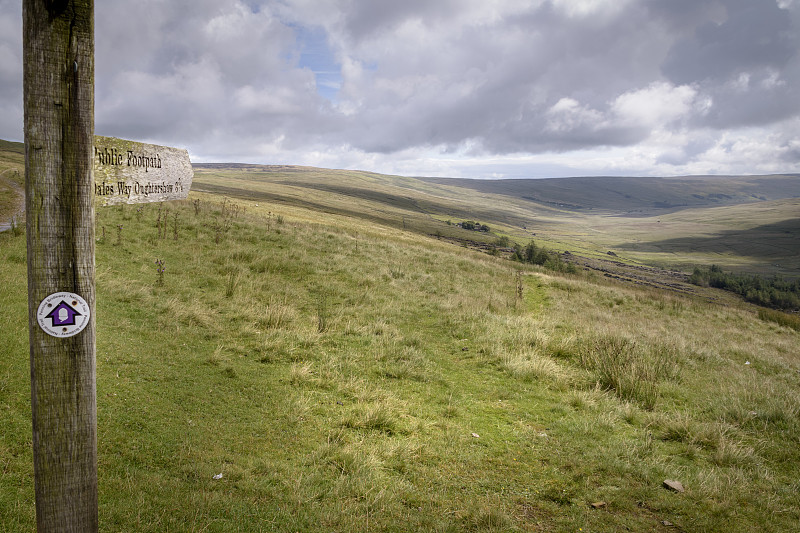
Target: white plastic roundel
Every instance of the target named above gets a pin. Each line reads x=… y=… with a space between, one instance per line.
x=63 y=314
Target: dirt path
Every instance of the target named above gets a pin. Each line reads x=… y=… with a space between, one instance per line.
x=5 y=222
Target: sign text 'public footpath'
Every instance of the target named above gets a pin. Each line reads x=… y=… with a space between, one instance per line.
x=129 y=172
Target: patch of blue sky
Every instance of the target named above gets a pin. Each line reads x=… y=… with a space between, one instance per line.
x=316 y=55
x=255 y=6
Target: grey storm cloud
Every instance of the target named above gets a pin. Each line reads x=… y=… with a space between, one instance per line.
x=748 y=63
x=497 y=82
x=741 y=56
x=754 y=35
x=676 y=81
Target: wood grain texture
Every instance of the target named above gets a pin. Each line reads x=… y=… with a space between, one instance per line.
x=58 y=53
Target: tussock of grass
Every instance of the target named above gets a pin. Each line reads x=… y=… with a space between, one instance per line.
x=489 y=516
x=631 y=371
x=301 y=374
x=373 y=418
x=779 y=317
x=683 y=428
x=275 y=315
x=531 y=365
x=403 y=362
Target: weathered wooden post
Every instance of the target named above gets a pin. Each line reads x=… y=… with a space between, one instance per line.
x=58 y=54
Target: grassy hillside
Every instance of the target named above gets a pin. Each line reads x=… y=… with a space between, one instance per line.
x=742 y=223
x=342 y=374
x=640 y=196
x=388 y=200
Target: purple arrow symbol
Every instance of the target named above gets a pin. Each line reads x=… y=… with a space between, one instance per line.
x=63 y=314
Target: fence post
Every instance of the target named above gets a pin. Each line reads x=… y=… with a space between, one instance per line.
x=58 y=52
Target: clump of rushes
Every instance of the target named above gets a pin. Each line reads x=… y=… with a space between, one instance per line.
x=322 y=314
x=233 y=281
x=158 y=221
x=162 y=221
x=160 y=270
x=164 y=224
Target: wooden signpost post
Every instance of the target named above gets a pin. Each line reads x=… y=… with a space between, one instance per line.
x=58 y=58
x=67 y=170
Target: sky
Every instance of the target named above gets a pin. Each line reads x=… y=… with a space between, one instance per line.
x=457 y=88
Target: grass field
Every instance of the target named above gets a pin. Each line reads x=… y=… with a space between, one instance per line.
x=342 y=374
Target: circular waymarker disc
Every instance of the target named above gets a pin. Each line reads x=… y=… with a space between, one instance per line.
x=63 y=314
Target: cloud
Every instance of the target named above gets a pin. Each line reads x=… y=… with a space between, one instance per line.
x=568 y=115
x=607 y=86
x=754 y=35
x=746 y=59
x=657 y=106
x=10 y=70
